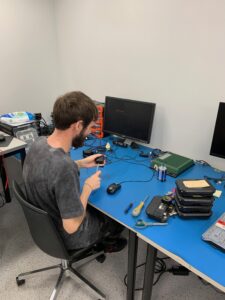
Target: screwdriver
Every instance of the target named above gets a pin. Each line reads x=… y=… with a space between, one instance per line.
x=128 y=208
x=137 y=210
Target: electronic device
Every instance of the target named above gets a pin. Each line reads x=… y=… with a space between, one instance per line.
x=195 y=187
x=100 y=159
x=218 y=140
x=5 y=140
x=28 y=135
x=12 y=129
x=120 y=143
x=157 y=209
x=2 y=137
x=113 y=187
x=192 y=208
x=97 y=129
x=129 y=118
x=215 y=234
x=194 y=200
x=175 y=164
x=95 y=150
x=144 y=154
x=88 y=152
x=193 y=214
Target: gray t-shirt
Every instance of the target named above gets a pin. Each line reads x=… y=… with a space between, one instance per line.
x=52 y=183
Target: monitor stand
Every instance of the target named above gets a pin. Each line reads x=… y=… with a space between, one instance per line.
x=120 y=142
x=134 y=145
x=123 y=142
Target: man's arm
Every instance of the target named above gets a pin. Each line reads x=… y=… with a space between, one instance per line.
x=71 y=225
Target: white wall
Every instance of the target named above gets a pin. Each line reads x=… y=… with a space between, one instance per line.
x=169 y=52
x=28 y=56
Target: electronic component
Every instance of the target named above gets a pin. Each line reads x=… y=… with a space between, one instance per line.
x=157 y=209
x=195 y=187
x=100 y=159
x=144 y=154
x=119 y=143
x=97 y=130
x=175 y=164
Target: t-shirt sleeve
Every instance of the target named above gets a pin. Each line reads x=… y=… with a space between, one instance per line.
x=67 y=191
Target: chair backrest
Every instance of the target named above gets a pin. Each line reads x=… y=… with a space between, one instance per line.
x=42 y=227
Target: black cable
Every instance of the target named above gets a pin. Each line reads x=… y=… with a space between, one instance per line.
x=43 y=121
x=160 y=268
x=138 y=180
x=202 y=162
x=127 y=159
x=216 y=180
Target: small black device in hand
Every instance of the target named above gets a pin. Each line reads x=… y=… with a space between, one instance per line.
x=100 y=160
x=157 y=209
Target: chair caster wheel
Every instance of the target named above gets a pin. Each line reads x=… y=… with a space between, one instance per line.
x=20 y=281
x=101 y=258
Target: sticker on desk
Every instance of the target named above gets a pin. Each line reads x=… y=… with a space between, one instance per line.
x=217 y=193
x=221 y=224
x=195 y=183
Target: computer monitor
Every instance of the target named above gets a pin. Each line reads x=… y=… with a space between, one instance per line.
x=129 y=119
x=218 y=141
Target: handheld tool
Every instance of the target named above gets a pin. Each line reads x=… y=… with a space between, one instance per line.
x=137 y=210
x=142 y=224
x=128 y=208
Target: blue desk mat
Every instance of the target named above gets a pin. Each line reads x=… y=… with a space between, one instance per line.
x=182 y=237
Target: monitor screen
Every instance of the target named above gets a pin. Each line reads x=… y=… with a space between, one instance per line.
x=128 y=118
x=218 y=141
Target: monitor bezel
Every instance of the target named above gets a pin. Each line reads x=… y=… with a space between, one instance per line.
x=211 y=152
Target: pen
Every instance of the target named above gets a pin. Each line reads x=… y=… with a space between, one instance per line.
x=128 y=208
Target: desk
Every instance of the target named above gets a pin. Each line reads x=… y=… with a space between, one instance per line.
x=181 y=239
x=15 y=147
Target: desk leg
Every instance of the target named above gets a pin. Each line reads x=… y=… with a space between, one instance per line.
x=132 y=261
x=22 y=155
x=5 y=184
x=149 y=272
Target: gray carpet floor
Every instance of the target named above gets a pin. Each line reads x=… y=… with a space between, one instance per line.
x=18 y=253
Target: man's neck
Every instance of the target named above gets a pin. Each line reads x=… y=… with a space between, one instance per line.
x=60 y=139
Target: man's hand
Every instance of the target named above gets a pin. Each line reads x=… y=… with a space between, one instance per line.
x=94 y=181
x=89 y=162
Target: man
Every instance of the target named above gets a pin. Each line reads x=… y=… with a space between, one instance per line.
x=52 y=178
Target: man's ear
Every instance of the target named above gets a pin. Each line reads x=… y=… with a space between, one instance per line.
x=78 y=126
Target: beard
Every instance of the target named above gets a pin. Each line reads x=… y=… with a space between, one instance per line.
x=78 y=141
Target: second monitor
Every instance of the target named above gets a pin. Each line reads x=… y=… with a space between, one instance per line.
x=129 y=119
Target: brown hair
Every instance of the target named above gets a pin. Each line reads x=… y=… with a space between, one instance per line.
x=73 y=107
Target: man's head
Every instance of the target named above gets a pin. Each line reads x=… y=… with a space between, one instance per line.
x=75 y=108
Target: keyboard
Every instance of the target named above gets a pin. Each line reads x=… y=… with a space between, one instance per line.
x=215 y=234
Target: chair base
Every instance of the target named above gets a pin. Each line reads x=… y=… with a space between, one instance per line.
x=64 y=266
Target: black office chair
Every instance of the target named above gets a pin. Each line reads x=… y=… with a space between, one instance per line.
x=48 y=239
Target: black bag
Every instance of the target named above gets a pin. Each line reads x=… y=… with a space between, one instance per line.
x=206 y=191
